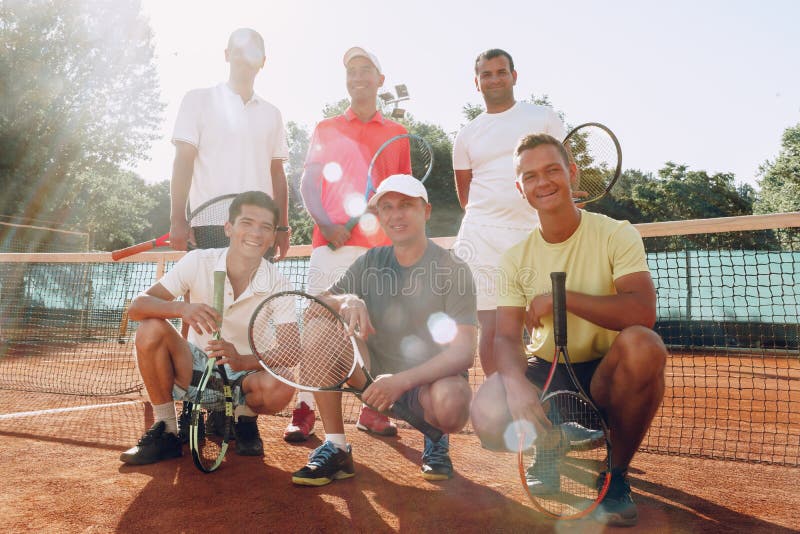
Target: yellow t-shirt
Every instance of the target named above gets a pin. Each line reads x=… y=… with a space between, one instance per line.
x=600 y=251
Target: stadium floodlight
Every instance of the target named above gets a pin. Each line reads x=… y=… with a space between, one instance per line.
x=402 y=91
x=398 y=113
x=387 y=97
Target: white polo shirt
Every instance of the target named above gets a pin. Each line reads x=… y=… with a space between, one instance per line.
x=236 y=142
x=486 y=146
x=195 y=273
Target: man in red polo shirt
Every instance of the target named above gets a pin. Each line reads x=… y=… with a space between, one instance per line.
x=333 y=184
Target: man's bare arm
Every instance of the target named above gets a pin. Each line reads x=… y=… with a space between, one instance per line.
x=463 y=180
x=182 y=170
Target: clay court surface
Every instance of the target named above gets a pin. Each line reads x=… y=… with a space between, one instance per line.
x=61 y=473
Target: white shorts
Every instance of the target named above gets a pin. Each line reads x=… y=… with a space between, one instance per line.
x=326 y=266
x=481 y=247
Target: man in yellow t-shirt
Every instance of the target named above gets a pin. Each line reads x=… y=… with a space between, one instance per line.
x=611 y=309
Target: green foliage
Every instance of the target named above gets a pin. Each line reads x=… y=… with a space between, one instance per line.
x=336 y=108
x=301 y=222
x=780 y=179
x=80 y=101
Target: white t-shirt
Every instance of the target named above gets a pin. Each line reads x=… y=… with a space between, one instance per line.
x=195 y=273
x=236 y=142
x=486 y=147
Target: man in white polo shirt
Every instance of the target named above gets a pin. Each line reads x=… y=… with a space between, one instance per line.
x=170 y=365
x=228 y=140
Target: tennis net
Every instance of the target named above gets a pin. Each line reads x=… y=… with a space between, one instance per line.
x=728 y=307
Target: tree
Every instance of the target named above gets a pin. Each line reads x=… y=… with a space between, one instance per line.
x=780 y=179
x=80 y=101
x=301 y=222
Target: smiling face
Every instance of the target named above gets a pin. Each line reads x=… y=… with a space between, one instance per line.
x=252 y=233
x=402 y=217
x=363 y=80
x=545 y=179
x=495 y=79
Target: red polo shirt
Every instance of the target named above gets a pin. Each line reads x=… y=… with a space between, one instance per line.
x=344 y=146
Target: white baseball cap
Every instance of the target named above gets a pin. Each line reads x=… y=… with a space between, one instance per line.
x=404 y=184
x=357 y=51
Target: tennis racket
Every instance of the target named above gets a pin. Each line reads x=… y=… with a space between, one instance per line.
x=214 y=394
x=598 y=156
x=566 y=479
x=207 y=221
x=303 y=342
x=391 y=158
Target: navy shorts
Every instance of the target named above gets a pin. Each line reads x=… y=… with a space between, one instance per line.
x=538 y=369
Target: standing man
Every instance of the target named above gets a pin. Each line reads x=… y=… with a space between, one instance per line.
x=228 y=140
x=611 y=309
x=335 y=175
x=496 y=217
x=413 y=305
x=170 y=365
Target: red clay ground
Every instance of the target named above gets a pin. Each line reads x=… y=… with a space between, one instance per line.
x=61 y=473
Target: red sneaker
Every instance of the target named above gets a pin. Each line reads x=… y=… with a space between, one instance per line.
x=302 y=425
x=375 y=423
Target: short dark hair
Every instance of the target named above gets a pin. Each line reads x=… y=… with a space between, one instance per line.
x=253 y=198
x=529 y=142
x=491 y=54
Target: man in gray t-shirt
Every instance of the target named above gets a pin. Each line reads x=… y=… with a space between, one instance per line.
x=414 y=306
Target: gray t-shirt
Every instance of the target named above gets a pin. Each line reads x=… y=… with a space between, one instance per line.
x=414 y=309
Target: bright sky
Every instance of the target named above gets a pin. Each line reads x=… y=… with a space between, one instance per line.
x=712 y=84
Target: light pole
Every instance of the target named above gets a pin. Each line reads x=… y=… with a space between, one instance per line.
x=389 y=98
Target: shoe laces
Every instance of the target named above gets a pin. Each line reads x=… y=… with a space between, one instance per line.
x=436 y=452
x=299 y=414
x=322 y=454
x=153 y=433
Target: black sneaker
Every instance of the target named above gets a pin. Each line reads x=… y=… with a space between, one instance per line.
x=248 y=442
x=215 y=422
x=617 y=509
x=436 y=463
x=326 y=464
x=185 y=420
x=155 y=445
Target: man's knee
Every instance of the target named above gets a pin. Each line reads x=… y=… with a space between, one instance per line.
x=489 y=413
x=150 y=334
x=642 y=351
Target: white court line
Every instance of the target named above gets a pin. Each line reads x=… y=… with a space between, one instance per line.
x=62 y=410
x=72 y=360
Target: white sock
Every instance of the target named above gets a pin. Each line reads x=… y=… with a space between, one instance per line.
x=337 y=439
x=243 y=409
x=307 y=397
x=166 y=412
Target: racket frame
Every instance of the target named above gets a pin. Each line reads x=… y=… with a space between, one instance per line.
x=195 y=440
x=397 y=410
x=163 y=240
x=370 y=188
x=618 y=168
x=560 y=337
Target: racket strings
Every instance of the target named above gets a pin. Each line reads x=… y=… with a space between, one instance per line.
x=570 y=458
x=213 y=214
x=596 y=155
x=302 y=342
x=421 y=158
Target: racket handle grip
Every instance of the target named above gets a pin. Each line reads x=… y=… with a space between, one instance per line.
x=402 y=412
x=349 y=225
x=559 y=308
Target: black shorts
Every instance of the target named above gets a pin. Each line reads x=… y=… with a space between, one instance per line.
x=538 y=369
x=410 y=399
